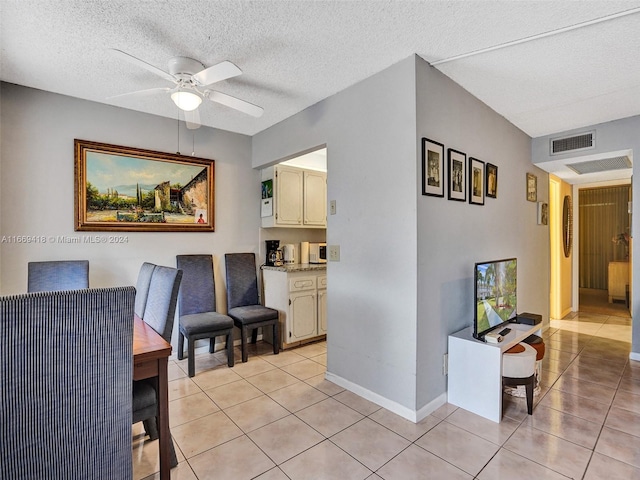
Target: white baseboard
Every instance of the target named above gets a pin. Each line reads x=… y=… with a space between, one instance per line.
x=411 y=415
x=634 y=356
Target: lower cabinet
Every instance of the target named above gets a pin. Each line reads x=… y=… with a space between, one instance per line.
x=322 y=304
x=301 y=300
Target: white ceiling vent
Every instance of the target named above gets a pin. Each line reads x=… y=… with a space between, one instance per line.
x=583 y=141
x=604 y=165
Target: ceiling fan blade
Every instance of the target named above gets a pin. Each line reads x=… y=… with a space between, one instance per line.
x=142 y=93
x=192 y=119
x=143 y=64
x=216 y=73
x=233 y=102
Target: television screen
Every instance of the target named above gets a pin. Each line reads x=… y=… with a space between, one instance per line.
x=495 y=295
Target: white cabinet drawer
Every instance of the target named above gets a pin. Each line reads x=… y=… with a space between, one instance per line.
x=299 y=284
x=322 y=281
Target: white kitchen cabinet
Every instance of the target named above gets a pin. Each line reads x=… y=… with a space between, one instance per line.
x=300 y=300
x=299 y=197
x=315 y=198
x=322 y=304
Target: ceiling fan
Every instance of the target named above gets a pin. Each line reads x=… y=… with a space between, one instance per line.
x=191 y=84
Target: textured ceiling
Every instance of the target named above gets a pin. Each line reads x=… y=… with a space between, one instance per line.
x=296 y=53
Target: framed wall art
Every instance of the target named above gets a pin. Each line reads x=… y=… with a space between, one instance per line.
x=476 y=181
x=135 y=190
x=457 y=166
x=492 y=181
x=532 y=187
x=432 y=168
x=543 y=213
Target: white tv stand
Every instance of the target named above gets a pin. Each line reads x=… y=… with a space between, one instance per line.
x=475 y=370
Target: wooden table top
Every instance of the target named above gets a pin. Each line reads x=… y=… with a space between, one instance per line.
x=147 y=344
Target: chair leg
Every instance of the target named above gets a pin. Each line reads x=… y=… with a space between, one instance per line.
x=245 y=353
x=276 y=338
x=212 y=344
x=173 y=459
x=192 y=355
x=230 y=359
x=529 y=391
x=180 y=346
x=254 y=335
x=151 y=427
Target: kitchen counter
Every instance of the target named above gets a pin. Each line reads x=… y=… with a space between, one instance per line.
x=297 y=267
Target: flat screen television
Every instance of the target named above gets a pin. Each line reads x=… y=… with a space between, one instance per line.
x=495 y=295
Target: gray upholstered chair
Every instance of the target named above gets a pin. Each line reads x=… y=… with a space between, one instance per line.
x=243 y=302
x=197 y=308
x=57 y=275
x=80 y=369
x=159 y=313
x=142 y=287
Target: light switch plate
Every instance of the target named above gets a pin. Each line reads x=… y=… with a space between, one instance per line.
x=332 y=207
x=334 y=253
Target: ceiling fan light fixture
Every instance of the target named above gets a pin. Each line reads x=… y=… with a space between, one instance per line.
x=186 y=100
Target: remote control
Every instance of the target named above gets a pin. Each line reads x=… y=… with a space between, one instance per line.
x=505 y=331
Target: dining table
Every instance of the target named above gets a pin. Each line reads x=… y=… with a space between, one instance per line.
x=150 y=360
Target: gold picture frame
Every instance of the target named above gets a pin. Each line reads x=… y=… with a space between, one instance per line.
x=135 y=190
x=532 y=187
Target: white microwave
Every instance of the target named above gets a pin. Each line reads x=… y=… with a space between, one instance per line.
x=317 y=253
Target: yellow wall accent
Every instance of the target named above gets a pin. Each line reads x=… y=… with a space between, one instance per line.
x=561 y=267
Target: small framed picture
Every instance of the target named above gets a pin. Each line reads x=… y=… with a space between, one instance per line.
x=476 y=181
x=543 y=213
x=432 y=168
x=457 y=185
x=532 y=187
x=492 y=181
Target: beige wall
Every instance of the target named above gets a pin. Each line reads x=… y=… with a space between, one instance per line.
x=561 y=266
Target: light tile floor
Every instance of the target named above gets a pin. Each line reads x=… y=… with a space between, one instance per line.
x=276 y=417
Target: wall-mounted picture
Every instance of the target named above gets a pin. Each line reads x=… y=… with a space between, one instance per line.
x=134 y=190
x=457 y=186
x=532 y=187
x=543 y=213
x=476 y=181
x=432 y=168
x=492 y=181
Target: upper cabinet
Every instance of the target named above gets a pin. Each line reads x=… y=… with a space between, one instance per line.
x=299 y=198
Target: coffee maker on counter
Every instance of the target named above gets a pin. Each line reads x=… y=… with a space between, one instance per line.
x=274 y=254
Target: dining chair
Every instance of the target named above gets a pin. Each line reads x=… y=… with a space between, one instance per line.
x=57 y=275
x=65 y=394
x=142 y=287
x=243 y=302
x=159 y=313
x=198 y=318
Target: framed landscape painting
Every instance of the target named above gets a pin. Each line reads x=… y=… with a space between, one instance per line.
x=135 y=190
x=432 y=168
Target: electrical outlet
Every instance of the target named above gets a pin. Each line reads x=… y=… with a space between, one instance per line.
x=332 y=207
x=445 y=364
x=334 y=253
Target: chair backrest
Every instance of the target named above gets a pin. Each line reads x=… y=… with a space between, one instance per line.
x=65 y=375
x=160 y=310
x=57 y=275
x=242 y=281
x=197 y=290
x=142 y=287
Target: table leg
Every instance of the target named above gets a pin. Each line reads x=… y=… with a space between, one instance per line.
x=163 y=419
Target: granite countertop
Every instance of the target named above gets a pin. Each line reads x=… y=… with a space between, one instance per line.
x=297 y=267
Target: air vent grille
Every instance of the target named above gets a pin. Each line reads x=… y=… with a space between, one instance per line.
x=570 y=144
x=604 y=165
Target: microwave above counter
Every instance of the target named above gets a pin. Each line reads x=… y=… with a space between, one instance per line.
x=317 y=252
